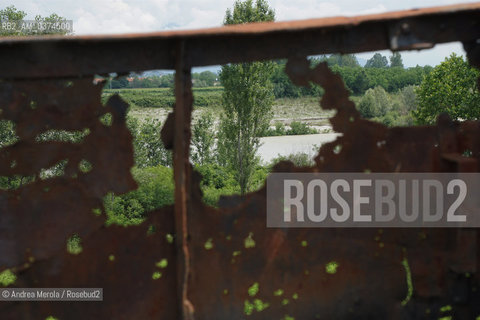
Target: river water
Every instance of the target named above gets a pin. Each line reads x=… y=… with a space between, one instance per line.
x=272 y=147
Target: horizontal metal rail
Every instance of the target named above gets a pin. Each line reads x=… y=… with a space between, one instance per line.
x=75 y=56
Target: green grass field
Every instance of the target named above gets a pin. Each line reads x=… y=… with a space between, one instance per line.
x=156 y=103
x=165 y=98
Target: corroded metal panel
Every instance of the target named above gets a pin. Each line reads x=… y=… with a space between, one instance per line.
x=74 y=56
x=125 y=262
x=224 y=263
x=37 y=218
x=339 y=273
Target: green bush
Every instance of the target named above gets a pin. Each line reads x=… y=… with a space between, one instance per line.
x=300 y=159
x=297 y=128
x=220 y=181
x=203 y=139
x=144 y=98
x=389 y=109
x=165 y=97
x=216 y=181
x=375 y=103
x=147 y=143
x=279 y=130
x=7 y=277
x=408 y=98
x=155 y=190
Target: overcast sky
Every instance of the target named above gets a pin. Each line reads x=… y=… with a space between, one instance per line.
x=125 y=16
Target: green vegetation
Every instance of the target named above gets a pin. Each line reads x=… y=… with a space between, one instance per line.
x=377 y=61
x=247 y=101
x=451 y=88
x=74 y=245
x=358 y=79
x=147 y=143
x=408 y=274
x=13 y=15
x=389 y=109
x=199 y=80
x=396 y=60
x=7 y=277
x=298 y=159
x=331 y=267
x=203 y=139
x=219 y=180
x=155 y=190
x=257 y=304
x=295 y=128
x=165 y=97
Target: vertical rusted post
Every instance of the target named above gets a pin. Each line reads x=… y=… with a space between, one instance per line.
x=181 y=168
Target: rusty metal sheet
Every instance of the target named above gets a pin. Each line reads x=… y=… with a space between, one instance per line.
x=88 y=55
x=225 y=264
x=37 y=218
x=120 y=260
x=233 y=267
x=293 y=267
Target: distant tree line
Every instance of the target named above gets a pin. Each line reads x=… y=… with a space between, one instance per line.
x=200 y=80
x=376 y=72
x=389 y=74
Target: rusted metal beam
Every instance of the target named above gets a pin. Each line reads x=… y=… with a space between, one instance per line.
x=76 y=56
x=181 y=167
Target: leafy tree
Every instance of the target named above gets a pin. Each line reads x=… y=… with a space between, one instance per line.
x=409 y=98
x=377 y=61
x=119 y=83
x=396 y=60
x=247 y=11
x=148 y=146
x=452 y=88
x=207 y=78
x=167 y=81
x=367 y=106
x=203 y=139
x=343 y=60
x=360 y=82
x=52 y=20
x=375 y=103
x=300 y=159
x=282 y=86
x=12 y=15
x=155 y=190
x=247 y=100
x=298 y=128
x=216 y=181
